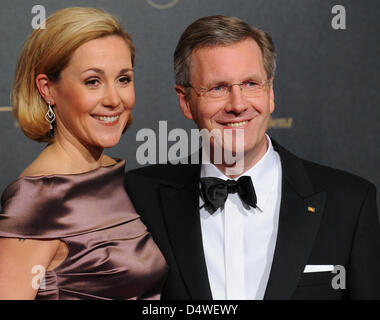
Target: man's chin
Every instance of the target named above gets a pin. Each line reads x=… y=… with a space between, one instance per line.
x=225 y=153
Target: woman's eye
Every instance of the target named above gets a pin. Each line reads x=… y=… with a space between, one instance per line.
x=125 y=80
x=92 y=82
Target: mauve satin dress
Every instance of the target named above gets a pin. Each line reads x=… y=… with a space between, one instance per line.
x=111 y=253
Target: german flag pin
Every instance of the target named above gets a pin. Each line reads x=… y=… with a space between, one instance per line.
x=311 y=209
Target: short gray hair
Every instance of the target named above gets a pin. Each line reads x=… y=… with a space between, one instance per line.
x=216 y=31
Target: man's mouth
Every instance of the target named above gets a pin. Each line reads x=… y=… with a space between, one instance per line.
x=236 y=124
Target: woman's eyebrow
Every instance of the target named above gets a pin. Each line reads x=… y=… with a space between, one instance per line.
x=97 y=70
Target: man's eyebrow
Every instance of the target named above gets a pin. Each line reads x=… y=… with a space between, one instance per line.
x=216 y=81
x=97 y=70
x=256 y=77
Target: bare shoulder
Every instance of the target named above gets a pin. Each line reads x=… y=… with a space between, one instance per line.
x=36 y=168
x=108 y=161
x=48 y=162
x=42 y=165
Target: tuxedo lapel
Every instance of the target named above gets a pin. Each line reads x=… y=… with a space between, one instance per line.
x=181 y=214
x=300 y=214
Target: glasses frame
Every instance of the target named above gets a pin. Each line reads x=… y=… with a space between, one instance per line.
x=204 y=90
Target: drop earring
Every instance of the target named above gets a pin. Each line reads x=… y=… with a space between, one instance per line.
x=50 y=117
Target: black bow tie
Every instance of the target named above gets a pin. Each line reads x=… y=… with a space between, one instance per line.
x=214 y=191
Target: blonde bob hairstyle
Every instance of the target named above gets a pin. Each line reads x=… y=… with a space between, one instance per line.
x=48 y=51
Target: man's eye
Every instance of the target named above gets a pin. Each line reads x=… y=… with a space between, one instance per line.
x=217 y=88
x=250 y=84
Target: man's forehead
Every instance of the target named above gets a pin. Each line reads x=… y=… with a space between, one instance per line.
x=241 y=60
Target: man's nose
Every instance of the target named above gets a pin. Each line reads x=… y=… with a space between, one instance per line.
x=236 y=102
x=111 y=97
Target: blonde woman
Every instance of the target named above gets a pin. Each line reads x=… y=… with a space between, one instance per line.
x=67 y=215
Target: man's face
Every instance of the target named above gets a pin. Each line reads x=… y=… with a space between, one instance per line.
x=221 y=65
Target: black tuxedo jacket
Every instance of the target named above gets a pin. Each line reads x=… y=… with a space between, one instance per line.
x=343 y=230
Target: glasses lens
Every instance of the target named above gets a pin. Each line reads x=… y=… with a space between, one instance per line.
x=252 y=88
x=249 y=88
x=217 y=91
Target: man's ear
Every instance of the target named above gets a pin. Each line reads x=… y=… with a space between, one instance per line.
x=184 y=102
x=45 y=88
x=271 y=96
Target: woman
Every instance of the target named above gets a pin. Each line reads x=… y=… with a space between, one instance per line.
x=67 y=213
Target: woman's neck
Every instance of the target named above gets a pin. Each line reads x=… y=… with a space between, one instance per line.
x=74 y=157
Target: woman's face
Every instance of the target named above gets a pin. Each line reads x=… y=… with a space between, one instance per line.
x=95 y=94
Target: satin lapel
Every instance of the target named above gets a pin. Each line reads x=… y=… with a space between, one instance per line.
x=181 y=214
x=300 y=214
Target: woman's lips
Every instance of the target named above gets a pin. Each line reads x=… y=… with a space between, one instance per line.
x=107 y=120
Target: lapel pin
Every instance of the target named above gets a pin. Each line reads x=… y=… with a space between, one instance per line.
x=311 y=209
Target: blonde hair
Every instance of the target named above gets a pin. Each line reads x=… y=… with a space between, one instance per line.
x=48 y=51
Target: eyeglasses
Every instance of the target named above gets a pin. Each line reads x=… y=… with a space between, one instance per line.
x=250 y=88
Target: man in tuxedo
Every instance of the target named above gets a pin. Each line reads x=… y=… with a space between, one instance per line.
x=282 y=228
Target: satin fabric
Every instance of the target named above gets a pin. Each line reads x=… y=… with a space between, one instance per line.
x=111 y=253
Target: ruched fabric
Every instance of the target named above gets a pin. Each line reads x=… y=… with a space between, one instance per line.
x=111 y=253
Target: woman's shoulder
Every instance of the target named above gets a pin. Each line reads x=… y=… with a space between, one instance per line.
x=39 y=167
x=108 y=161
x=42 y=201
x=47 y=164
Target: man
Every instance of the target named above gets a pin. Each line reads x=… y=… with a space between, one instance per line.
x=301 y=231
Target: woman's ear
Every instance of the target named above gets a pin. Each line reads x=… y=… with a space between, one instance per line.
x=45 y=88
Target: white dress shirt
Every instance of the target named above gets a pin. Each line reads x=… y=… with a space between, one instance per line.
x=239 y=243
